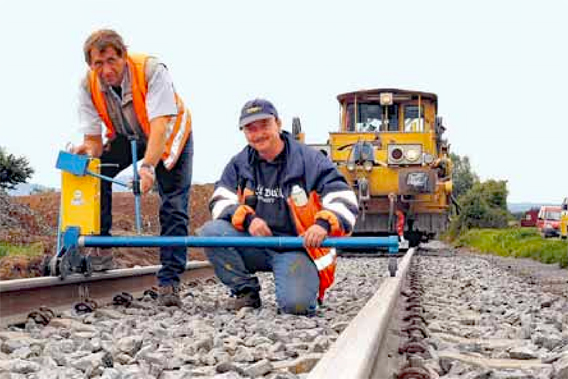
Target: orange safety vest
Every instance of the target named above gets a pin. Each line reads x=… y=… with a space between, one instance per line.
x=178 y=127
x=325 y=259
x=305 y=216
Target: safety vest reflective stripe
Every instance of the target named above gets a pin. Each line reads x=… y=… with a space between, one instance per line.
x=222 y=198
x=326 y=260
x=183 y=126
x=334 y=201
x=220 y=206
x=343 y=211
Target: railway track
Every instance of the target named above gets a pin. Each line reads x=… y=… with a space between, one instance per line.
x=20 y=297
x=385 y=336
x=365 y=349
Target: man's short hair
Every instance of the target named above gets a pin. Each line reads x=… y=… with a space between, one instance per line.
x=101 y=40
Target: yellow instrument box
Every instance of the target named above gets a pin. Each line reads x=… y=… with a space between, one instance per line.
x=81 y=200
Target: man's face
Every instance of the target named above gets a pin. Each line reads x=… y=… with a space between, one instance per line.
x=264 y=136
x=108 y=65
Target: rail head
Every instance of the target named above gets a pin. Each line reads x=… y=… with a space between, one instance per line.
x=20 y=297
x=354 y=353
x=51 y=281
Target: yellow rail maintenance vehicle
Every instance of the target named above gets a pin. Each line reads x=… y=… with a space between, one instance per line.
x=390 y=148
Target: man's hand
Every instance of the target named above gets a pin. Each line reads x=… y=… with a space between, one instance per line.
x=91 y=146
x=259 y=228
x=147 y=177
x=86 y=149
x=81 y=149
x=314 y=236
x=154 y=149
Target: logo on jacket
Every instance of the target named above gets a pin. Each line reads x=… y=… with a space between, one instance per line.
x=268 y=195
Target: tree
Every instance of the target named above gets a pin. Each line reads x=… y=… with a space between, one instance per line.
x=463 y=177
x=482 y=206
x=13 y=170
x=495 y=193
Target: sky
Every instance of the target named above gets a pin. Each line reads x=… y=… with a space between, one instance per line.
x=499 y=68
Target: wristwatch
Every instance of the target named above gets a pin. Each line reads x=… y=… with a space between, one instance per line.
x=149 y=167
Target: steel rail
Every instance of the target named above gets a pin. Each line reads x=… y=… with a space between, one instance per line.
x=19 y=297
x=357 y=351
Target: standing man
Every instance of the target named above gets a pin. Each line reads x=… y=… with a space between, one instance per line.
x=134 y=97
x=278 y=187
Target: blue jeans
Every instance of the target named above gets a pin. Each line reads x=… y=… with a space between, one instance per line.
x=173 y=187
x=295 y=275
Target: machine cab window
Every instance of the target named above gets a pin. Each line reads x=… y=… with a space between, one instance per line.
x=371 y=117
x=413 y=118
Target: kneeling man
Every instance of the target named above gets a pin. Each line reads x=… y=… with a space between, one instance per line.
x=277 y=186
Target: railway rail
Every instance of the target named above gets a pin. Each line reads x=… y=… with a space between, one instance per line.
x=362 y=350
x=20 y=297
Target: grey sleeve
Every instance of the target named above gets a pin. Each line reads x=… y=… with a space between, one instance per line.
x=160 y=100
x=90 y=122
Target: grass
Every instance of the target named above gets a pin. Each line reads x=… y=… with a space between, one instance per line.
x=29 y=250
x=516 y=242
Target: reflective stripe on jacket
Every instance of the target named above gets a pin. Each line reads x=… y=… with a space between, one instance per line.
x=178 y=127
x=330 y=199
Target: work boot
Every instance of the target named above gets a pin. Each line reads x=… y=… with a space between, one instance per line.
x=168 y=296
x=245 y=299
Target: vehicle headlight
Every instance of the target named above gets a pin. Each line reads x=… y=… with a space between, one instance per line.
x=428 y=158
x=412 y=155
x=351 y=166
x=368 y=165
x=397 y=154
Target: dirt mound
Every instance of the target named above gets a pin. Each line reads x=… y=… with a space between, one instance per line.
x=18 y=267
x=33 y=219
x=15 y=216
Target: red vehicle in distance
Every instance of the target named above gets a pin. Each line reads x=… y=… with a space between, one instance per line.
x=529 y=218
x=548 y=222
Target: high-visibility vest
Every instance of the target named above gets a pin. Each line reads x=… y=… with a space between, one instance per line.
x=325 y=259
x=178 y=126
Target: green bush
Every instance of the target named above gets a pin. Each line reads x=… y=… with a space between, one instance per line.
x=3 y=251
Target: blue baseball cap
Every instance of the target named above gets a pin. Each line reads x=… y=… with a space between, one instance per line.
x=257 y=109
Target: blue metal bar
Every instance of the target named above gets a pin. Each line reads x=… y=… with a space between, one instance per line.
x=108 y=178
x=272 y=242
x=137 y=186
